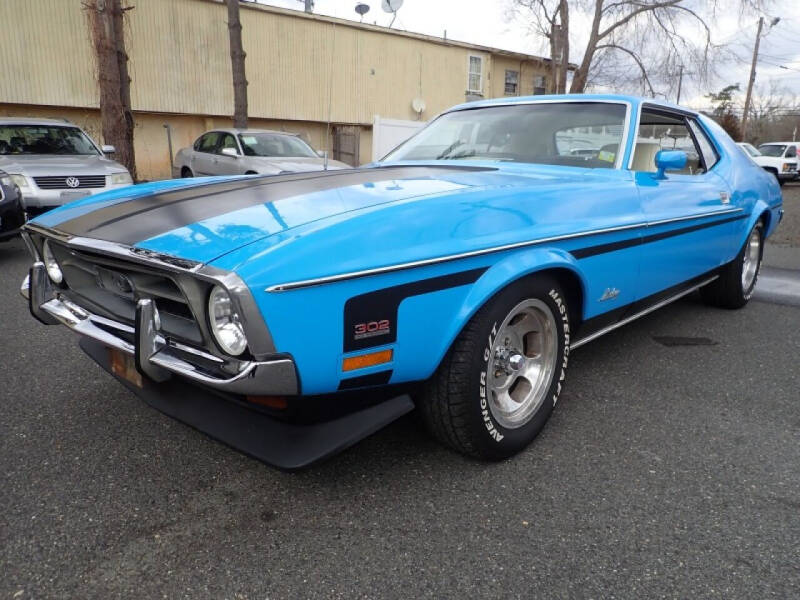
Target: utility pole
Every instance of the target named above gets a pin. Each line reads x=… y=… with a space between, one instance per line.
x=237 y=66
x=680 y=83
x=752 y=79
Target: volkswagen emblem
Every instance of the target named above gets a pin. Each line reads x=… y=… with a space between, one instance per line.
x=73 y=182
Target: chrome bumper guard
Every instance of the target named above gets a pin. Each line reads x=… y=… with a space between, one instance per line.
x=155 y=357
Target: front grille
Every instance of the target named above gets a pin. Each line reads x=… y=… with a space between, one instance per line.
x=112 y=288
x=69 y=182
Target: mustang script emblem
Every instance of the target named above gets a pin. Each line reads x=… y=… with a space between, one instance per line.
x=73 y=182
x=609 y=294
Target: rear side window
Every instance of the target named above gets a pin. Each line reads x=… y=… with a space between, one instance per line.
x=710 y=156
x=791 y=152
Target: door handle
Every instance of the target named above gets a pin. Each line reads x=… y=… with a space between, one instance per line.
x=725 y=197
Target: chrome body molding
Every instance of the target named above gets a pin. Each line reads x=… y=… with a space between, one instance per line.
x=646 y=311
x=156 y=356
x=293 y=285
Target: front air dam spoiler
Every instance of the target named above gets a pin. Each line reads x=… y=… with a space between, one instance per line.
x=286 y=446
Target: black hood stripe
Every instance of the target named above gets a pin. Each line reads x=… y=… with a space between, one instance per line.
x=147 y=217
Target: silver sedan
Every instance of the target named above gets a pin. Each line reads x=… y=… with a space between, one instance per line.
x=248 y=152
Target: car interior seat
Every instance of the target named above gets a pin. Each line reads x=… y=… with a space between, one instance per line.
x=644 y=157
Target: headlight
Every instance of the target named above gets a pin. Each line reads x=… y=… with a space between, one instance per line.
x=21 y=181
x=225 y=323
x=120 y=178
x=53 y=270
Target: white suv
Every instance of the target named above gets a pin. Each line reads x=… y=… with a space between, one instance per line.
x=779 y=158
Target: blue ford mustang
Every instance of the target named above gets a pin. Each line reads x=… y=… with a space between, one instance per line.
x=292 y=315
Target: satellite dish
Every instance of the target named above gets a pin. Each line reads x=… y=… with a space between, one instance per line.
x=418 y=104
x=391 y=6
x=362 y=9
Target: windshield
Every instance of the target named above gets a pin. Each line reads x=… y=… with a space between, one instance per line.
x=772 y=149
x=44 y=139
x=578 y=134
x=751 y=150
x=275 y=145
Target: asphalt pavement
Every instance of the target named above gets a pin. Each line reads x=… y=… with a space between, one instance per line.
x=670 y=468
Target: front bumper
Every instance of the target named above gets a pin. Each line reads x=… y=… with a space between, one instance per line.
x=156 y=357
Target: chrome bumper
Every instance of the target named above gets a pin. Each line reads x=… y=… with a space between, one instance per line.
x=155 y=357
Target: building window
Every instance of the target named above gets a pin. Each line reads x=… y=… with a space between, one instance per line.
x=512 y=79
x=539 y=85
x=475 y=75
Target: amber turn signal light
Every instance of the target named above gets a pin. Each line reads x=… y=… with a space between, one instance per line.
x=351 y=363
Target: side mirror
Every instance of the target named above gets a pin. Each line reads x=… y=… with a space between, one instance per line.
x=230 y=152
x=108 y=149
x=669 y=160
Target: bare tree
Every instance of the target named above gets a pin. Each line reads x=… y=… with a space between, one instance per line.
x=643 y=41
x=550 y=19
x=106 y=24
x=237 y=65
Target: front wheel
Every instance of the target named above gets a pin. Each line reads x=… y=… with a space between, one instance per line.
x=737 y=281
x=499 y=382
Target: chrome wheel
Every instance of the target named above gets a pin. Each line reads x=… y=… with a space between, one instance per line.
x=752 y=254
x=521 y=363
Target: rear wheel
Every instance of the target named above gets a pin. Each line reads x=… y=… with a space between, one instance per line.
x=737 y=281
x=498 y=384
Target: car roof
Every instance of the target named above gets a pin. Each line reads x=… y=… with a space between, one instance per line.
x=236 y=131
x=547 y=98
x=34 y=121
x=778 y=143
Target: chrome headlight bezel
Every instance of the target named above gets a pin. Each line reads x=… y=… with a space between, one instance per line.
x=225 y=322
x=51 y=264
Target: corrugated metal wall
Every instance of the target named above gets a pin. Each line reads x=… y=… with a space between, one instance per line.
x=179 y=63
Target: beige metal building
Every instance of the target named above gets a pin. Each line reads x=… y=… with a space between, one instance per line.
x=302 y=69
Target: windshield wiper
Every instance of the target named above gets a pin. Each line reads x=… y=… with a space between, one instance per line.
x=463 y=154
x=450 y=148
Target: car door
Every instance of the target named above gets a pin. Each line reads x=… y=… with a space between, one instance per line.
x=224 y=164
x=690 y=221
x=205 y=154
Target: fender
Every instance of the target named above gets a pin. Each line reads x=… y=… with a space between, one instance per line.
x=503 y=273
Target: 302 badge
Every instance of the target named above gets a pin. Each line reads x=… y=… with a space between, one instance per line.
x=371 y=329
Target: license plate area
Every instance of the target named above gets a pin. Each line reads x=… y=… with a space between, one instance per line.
x=123 y=365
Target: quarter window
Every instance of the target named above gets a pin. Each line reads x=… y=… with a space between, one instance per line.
x=707 y=151
x=475 y=74
x=512 y=82
x=791 y=152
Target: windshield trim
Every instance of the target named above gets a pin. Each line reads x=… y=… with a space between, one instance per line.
x=625 y=130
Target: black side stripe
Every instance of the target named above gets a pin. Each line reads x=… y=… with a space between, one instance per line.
x=382 y=305
x=612 y=246
x=379 y=378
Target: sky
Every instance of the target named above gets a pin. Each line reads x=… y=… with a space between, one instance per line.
x=491 y=23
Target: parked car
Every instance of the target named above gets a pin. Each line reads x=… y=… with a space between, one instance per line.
x=249 y=152
x=256 y=309
x=778 y=158
x=12 y=210
x=54 y=162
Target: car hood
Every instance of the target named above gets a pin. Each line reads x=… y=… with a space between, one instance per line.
x=35 y=165
x=204 y=219
x=295 y=164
